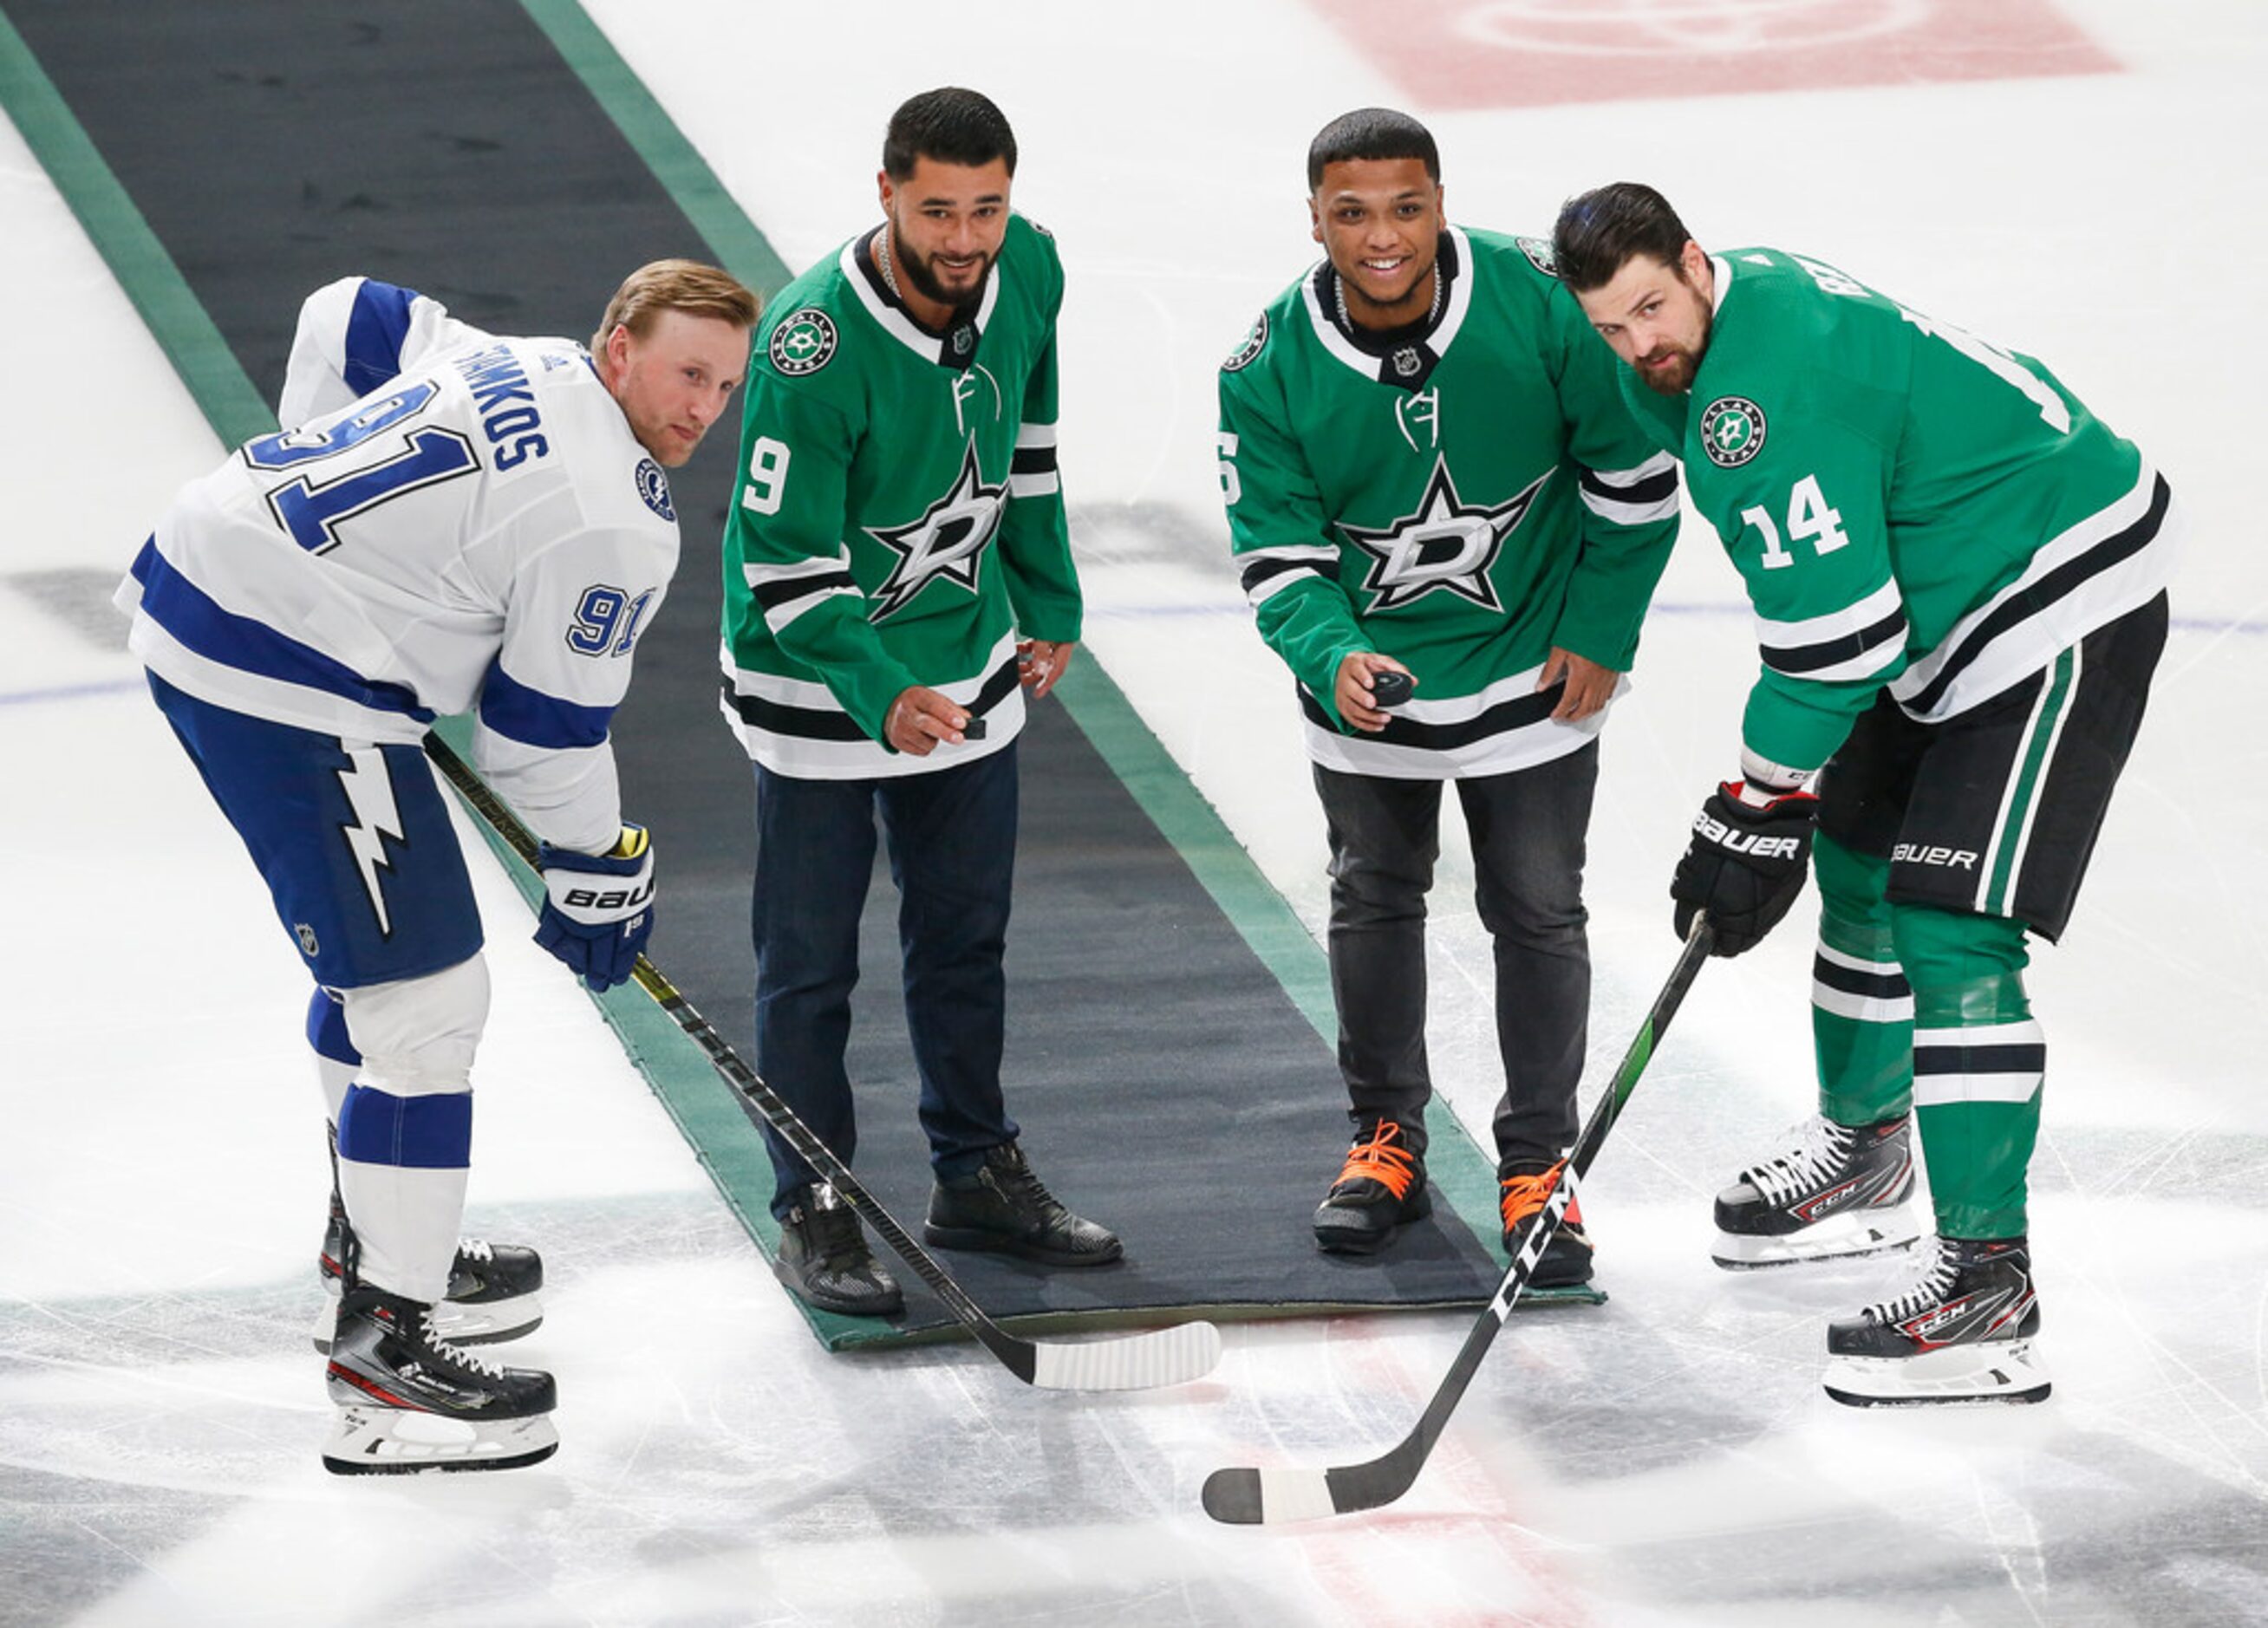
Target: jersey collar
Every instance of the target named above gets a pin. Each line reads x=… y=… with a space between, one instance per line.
x=955 y=349
x=1408 y=366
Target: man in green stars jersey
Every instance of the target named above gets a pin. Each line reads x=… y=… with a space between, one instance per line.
x=1430 y=472
x=1959 y=580
x=897 y=576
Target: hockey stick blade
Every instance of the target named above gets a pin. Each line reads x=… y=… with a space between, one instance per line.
x=1241 y=1496
x=1146 y=1362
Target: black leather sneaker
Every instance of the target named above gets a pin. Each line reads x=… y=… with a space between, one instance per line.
x=1003 y=1209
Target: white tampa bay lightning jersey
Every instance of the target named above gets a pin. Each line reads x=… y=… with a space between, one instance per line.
x=449 y=518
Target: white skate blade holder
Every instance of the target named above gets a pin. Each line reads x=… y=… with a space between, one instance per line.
x=395 y=1441
x=1839 y=1237
x=1988 y=1371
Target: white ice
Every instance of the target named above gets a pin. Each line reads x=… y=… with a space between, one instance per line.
x=1666 y=1459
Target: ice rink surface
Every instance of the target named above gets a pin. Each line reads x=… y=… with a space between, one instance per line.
x=1665 y=1459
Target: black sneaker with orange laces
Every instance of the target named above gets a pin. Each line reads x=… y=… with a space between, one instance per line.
x=1565 y=1262
x=1380 y=1188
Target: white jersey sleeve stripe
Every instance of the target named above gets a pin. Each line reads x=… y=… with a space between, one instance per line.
x=1635 y=497
x=1855 y=642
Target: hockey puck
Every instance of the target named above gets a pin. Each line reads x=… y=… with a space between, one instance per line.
x=1390 y=688
x=973 y=729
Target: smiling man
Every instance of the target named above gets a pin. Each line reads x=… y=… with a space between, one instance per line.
x=1958 y=574
x=897 y=578
x=1429 y=473
x=451 y=519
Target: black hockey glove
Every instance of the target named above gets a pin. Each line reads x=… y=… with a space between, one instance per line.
x=1744 y=866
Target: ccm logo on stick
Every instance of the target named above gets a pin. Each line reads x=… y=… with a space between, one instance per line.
x=1914 y=853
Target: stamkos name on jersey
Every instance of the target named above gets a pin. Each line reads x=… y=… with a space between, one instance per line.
x=1753 y=842
x=1916 y=853
x=505 y=404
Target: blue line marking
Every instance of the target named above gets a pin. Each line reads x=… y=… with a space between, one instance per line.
x=74 y=692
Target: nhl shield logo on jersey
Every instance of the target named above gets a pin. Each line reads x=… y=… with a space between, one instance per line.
x=653 y=489
x=804 y=343
x=1732 y=430
x=1256 y=340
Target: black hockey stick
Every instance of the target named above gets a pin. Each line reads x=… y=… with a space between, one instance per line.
x=1246 y=1497
x=1128 y=1362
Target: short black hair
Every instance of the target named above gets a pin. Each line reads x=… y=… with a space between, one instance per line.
x=950 y=125
x=1600 y=231
x=1372 y=133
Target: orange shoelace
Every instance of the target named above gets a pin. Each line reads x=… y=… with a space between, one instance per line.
x=1382 y=1159
x=1524 y=1195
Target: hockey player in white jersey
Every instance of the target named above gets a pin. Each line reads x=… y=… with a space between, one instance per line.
x=450 y=520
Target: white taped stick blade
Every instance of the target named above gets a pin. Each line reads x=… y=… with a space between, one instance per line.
x=1137 y=1362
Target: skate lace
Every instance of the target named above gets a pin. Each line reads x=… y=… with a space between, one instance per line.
x=1381 y=1160
x=1932 y=1280
x=476 y=1248
x=1821 y=1147
x=430 y=1337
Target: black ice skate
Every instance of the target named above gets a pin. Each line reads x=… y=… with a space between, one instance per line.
x=494 y=1291
x=824 y=1260
x=1380 y=1189
x=1961 y=1331
x=1004 y=1208
x=409 y=1401
x=1837 y=1192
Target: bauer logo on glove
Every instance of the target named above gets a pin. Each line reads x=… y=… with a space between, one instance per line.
x=1755 y=845
x=598 y=908
x=1745 y=862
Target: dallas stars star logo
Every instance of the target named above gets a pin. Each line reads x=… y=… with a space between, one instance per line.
x=946 y=541
x=1445 y=545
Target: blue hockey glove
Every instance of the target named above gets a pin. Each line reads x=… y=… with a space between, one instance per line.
x=599 y=909
x=1745 y=862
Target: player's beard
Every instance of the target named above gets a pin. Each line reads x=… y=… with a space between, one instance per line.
x=1678 y=376
x=926 y=283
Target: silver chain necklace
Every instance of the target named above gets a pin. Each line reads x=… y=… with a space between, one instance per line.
x=882 y=265
x=1338 y=292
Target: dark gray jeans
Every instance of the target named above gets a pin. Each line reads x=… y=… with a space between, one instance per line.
x=1527 y=832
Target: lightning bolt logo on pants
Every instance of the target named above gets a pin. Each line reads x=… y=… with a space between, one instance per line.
x=369 y=793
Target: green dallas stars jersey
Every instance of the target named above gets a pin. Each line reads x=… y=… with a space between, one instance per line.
x=898 y=520
x=1908 y=505
x=1464 y=503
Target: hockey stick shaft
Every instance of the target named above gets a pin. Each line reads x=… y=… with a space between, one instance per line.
x=1243 y=1496
x=1106 y=1365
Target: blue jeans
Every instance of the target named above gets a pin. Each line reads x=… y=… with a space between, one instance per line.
x=1527 y=831
x=951 y=839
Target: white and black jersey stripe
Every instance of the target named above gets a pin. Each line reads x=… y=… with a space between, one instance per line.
x=1506 y=726
x=1857 y=642
x=2115 y=561
x=1268 y=572
x=1986 y=1063
x=795 y=726
x=1032 y=471
x=1864 y=991
x=1633 y=497
x=785 y=591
